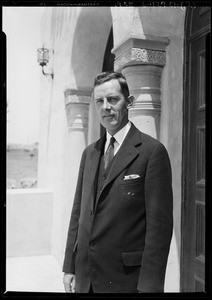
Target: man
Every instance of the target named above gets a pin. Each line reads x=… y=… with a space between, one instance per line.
x=121 y=222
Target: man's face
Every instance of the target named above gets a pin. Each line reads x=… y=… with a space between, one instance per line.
x=111 y=106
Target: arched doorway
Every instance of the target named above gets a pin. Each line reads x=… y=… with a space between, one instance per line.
x=89 y=43
x=193 y=206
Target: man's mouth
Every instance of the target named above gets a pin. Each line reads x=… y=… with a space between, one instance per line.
x=108 y=116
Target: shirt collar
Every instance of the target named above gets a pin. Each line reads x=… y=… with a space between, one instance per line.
x=120 y=135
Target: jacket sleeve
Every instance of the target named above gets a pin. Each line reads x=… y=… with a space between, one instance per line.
x=159 y=221
x=68 y=264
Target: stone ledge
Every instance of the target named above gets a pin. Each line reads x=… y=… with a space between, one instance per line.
x=29 y=191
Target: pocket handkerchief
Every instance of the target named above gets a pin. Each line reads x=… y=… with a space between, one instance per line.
x=132 y=176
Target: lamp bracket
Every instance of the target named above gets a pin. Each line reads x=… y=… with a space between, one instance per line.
x=47 y=74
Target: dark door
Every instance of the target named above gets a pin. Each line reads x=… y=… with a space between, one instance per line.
x=193 y=206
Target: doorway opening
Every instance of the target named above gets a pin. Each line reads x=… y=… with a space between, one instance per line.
x=193 y=199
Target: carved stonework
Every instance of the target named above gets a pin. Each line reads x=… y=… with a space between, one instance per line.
x=142 y=68
x=140 y=56
x=77 y=108
x=142 y=49
x=147 y=105
x=73 y=95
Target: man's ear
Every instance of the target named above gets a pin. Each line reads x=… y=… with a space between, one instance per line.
x=130 y=101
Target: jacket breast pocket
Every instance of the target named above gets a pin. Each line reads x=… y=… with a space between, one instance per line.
x=132 y=259
x=131 y=181
x=131 y=189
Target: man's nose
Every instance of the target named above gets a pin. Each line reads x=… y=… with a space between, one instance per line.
x=106 y=105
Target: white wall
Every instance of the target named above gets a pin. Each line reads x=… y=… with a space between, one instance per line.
x=29 y=222
x=22 y=28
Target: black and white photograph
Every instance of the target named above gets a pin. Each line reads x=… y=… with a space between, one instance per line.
x=106 y=112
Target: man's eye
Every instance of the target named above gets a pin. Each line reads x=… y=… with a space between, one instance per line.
x=112 y=100
x=99 y=101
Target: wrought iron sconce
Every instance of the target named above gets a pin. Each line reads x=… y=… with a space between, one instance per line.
x=43 y=55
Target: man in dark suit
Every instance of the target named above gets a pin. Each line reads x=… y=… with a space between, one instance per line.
x=122 y=217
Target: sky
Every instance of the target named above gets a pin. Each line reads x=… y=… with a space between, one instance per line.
x=22 y=26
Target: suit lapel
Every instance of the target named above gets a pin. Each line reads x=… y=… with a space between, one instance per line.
x=95 y=159
x=125 y=155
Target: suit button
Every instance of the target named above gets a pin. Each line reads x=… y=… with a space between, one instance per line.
x=103 y=178
x=92 y=244
x=91 y=212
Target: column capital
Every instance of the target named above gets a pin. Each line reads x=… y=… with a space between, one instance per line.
x=144 y=49
x=77 y=107
x=77 y=95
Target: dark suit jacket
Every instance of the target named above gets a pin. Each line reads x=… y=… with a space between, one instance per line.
x=121 y=243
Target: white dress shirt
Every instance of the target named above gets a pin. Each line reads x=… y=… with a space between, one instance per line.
x=119 y=136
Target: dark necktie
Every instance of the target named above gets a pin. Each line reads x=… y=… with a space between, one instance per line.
x=110 y=152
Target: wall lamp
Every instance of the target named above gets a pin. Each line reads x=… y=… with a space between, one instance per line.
x=43 y=55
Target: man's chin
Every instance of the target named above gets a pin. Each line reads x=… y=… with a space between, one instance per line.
x=112 y=124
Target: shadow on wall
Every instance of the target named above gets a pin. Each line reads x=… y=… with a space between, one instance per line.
x=89 y=43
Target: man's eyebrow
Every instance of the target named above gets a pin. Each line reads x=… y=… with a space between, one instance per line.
x=109 y=96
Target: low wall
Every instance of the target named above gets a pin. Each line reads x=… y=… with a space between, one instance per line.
x=29 y=222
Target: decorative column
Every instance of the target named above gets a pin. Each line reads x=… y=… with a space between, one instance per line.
x=77 y=110
x=141 y=61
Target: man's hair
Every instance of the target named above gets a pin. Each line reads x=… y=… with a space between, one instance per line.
x=107 y=76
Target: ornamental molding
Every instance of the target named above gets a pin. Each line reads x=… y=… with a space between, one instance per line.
x=142 y=49
x=77 y=108
x=142 y=41
x=149 y=90
x=77 y=116
x=140 y=56
x=153 y=106
x=77 y=96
